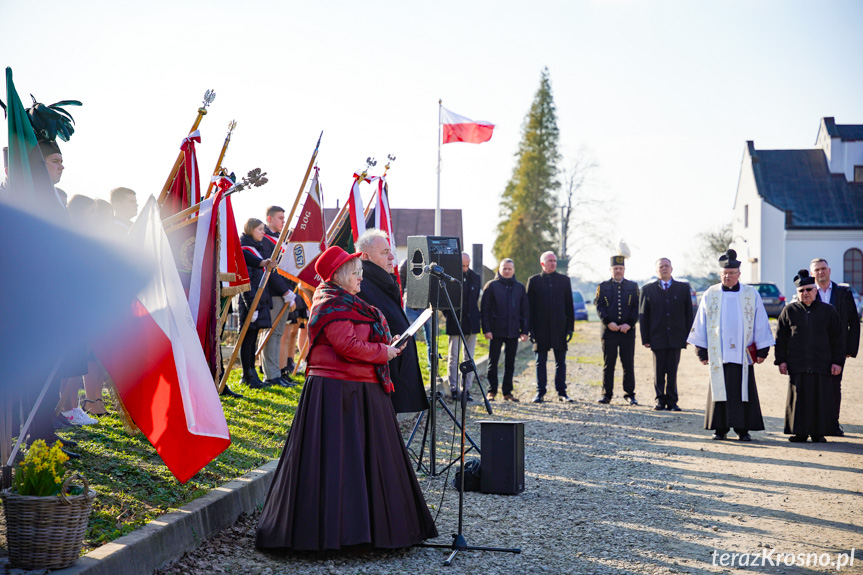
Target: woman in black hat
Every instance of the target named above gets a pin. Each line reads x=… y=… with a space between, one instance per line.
x=344 y=478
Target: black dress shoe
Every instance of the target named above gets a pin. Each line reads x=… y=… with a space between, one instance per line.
x=745 y=437
x=537 y=398
x=840 y=432
x=797 y=439
x=286 y=375
x=819 y=439
x=54 y=438
x=605 y=400
x=60 y=422
x=719 y=436
x=278 y=381
x=631 y=400
x=659 y=407
x=673 y=408
x=564 y=399
x=228 y=392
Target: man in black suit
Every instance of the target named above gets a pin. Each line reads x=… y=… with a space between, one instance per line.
x=617 y=306
x=552 y=318
x=665 y=316
x=469 y=318
x=840 y=298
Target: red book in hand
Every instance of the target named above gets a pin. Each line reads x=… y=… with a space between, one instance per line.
x=752 y=351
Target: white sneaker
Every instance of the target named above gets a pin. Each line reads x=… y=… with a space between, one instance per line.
x=77 y=416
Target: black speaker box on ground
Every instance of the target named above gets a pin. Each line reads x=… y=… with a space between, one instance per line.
x=423 y=287
x=502 y=469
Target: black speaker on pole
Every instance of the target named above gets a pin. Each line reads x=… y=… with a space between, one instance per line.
x=502 y=464
x=422 y=287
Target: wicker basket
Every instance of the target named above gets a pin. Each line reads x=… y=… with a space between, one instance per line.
x=46 y=532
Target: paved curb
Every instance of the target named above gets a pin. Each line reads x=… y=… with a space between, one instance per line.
x=168 y=537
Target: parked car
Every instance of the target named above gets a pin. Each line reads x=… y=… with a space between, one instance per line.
x=773 y=300
x=578 y=306
x=858 y=300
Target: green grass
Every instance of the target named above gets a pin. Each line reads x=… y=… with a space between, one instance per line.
x=132 y=482
x=443 y=346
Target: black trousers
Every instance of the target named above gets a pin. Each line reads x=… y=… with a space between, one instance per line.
x=247 y=349
x=559 y=370
x=508 y=362
x=626 y=348
x=665 y=363
x=837 y=393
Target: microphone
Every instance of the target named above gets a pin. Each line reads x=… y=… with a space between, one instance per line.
x=437 y=271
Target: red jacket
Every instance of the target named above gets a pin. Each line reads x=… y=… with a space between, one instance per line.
x=343 y=351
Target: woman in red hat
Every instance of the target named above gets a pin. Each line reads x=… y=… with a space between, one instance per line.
x=344 y=478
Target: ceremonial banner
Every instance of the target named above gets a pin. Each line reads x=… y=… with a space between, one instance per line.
x=29 y=182
x=355 y=204
x=157 y=364
x=203 y=286
x=307 y=240
x=380 y=217
x=233 y=272
x=186 y=188
x=460 y=129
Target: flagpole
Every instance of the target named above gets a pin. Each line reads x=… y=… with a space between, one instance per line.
x=209 y=96
x=276 y=253
x=437 y=208
x=218 y=169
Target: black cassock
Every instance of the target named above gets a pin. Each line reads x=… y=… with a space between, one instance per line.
x=809 y=340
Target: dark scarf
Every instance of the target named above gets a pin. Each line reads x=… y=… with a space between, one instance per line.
x=735 y=288
x=332 y=303
x=503 y=280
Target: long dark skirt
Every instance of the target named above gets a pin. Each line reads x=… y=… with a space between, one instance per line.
x=809 y=409
x=734 y=413
x=344 y=477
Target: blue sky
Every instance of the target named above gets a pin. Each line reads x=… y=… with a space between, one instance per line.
x=663 y=95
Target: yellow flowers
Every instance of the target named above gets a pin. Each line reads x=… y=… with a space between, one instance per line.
x=41 y=472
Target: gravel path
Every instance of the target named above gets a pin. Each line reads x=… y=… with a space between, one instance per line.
x=622 y=489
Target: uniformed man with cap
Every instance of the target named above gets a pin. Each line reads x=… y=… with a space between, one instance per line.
x=617 y=306
x=731 y=332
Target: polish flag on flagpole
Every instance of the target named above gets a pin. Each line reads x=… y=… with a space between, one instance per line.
x=355 y=202
x=157 y=363
x=460 y=129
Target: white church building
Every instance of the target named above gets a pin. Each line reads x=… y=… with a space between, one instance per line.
x=793 y=206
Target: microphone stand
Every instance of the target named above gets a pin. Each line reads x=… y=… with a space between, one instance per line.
x=459 y=542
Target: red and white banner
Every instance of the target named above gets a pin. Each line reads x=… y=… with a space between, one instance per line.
x=156 y=361
x=307 y=240
x=384 y=220
x=186 y=188
x=355 y=204
x=203 y=285
x=232 y=265
x=460 y=129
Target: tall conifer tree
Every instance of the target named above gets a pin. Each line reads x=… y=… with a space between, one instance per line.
x=527 y=211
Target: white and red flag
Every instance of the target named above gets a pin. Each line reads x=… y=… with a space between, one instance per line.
x=460 y=129
x=380 y=217
x=233 y=272
x=307 y=240
x=156 y=361
x=355 y=205
x=185 y=190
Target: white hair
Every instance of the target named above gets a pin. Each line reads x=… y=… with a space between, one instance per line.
x=365 y=241
x=545 y=255
x=344 y=271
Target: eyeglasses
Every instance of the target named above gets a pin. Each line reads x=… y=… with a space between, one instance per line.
x=358 y=273
x=801 y=290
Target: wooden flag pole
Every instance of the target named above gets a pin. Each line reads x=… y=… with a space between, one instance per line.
x=276 y=252
x=303 y=353
x=218 y=169
x=209 y=96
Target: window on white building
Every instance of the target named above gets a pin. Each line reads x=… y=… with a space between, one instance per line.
x=858 y=174
x=853 y=269
x=746 y=216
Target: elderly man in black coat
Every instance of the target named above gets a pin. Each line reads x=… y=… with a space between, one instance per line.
x=552 y=319
x=665 y=317
x=380 y=288
x=505 y=321
x=809 y=349
x=840 y=298
x=468 y=318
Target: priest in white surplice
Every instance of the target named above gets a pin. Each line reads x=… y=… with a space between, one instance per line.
x=730 y=333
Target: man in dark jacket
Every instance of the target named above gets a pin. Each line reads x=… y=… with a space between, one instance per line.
x=665 y=317
x=469 y=321
x=505 y=321
x=617 y=306
x=840 y=298
x=552 y=319
x=380 y=289
x=809 y=349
